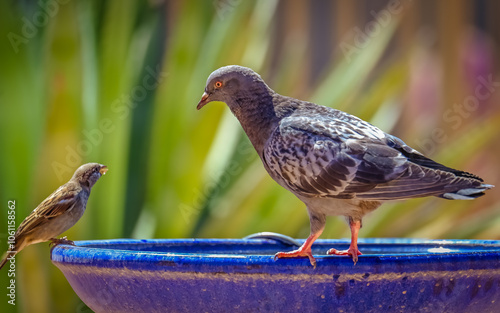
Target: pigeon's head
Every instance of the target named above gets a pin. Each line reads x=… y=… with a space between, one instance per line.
x=88 y=174
x=230 y=83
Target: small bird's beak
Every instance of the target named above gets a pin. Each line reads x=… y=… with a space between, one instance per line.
x=203 y=101
x=103 y=170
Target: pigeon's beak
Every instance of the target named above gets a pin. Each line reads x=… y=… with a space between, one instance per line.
x=203 y=101
x=103 y=170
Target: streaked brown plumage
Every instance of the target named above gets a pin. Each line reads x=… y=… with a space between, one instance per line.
x=58 y=212
x=336 y=163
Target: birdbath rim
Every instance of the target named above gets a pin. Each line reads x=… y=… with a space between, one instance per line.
x=144 y=253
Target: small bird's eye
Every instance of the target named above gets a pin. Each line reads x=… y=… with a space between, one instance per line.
x=218 y=84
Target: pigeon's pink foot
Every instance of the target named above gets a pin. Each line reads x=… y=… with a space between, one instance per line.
x=299 y=253
x=352 y=251
x=353 y=247
x=303 y=252
x=61 y=241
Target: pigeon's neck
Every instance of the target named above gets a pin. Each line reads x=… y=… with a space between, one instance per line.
x=257 y=116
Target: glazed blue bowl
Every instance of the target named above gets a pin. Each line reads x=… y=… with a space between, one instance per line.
x=240 y=275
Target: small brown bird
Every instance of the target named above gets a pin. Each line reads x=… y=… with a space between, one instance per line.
x=58 y=213
x=334 y=162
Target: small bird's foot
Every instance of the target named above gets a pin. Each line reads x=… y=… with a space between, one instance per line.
x=354 y=252
x=299 y=253
x=61 y=241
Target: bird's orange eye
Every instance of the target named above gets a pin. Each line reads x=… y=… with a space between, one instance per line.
x=218 y=84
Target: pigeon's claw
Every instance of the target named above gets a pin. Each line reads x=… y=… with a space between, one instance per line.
x=352 y=251
x=303 y=252
x=353 y=247
x=61 y=241
x=299 y=253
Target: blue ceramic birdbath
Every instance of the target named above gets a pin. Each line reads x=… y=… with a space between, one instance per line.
x=240 y=275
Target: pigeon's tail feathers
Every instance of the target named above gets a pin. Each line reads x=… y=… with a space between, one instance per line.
x=417 y=158
x=467 y=193
x=419 y=181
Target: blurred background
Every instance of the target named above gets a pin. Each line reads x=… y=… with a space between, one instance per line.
x=117 y=82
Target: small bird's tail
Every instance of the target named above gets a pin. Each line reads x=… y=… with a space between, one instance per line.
x=5 y=258
x=467 y=193
x=13 y=250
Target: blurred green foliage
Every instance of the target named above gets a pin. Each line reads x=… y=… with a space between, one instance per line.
x=117 y=82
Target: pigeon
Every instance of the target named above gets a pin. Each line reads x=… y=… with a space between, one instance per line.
x=334 y=162
x=58 y=212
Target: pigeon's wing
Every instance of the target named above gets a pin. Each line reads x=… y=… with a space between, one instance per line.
x=329 y=153
x=60 y=201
